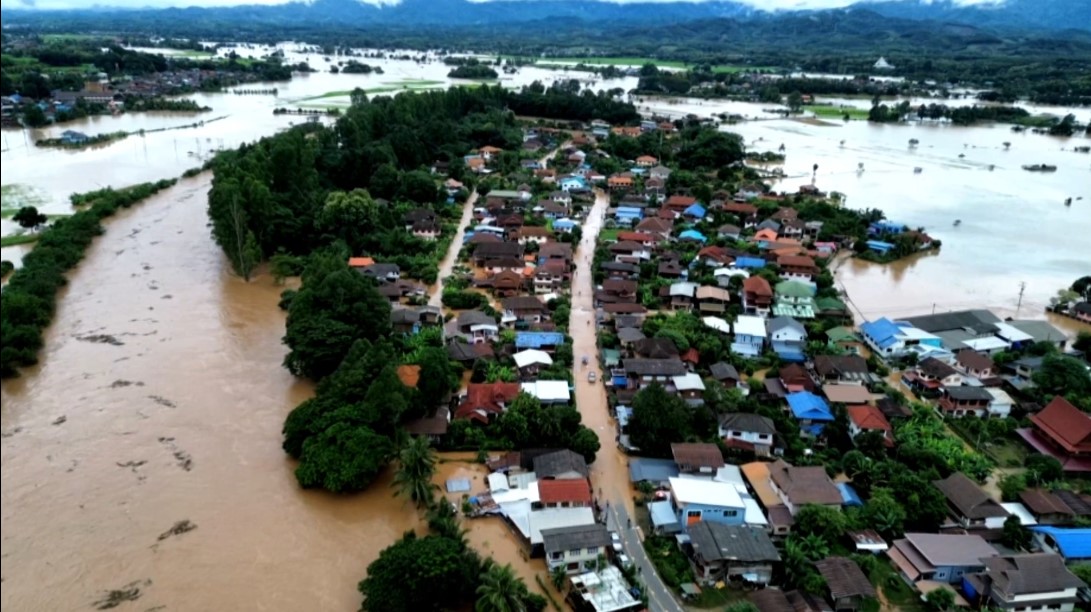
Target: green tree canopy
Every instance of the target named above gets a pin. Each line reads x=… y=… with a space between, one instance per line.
x=343 y=458
x=659 y=419
x=420 y=574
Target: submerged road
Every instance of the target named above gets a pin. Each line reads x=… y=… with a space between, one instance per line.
x=609 y=472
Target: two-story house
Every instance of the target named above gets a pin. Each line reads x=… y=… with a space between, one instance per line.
x=697 y=457
x=551 y=277
x=794 y=299
x=1062 y=431
x=748 y=431
x=564 y=493
x=577 y=549
x=932 y=375
x=681 y=296
x=731 y=552
x=749 y=338
x=965 y=401
x=523 y=310
x=841 y=369
x=798 y=486
x=788 y=338
x=555 y=251
x=889 y=339
x=643 y=372
x=797 y=267
x=970 y=506
x=698 y=499
x=973 y=363
x=630 y=252
x=864 y=418
x=939 y=557
x=485 y=401
x=476 y=326
x=757 y=296
x=496 y=251
x=712 y=299
x=1025 y=582
x=811 y=412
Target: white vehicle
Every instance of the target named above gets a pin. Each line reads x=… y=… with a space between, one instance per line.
x=590 y=377
x=616 y=540
x=624 y=561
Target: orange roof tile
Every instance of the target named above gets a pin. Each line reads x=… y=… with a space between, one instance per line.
x=360 y=262
x=559 y=491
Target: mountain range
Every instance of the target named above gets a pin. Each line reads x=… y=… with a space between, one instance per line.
x=1011 y=15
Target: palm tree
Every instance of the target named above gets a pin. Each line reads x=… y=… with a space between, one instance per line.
x=417 y=465
x=501 y=590
x=443 y=521
x=814 y=547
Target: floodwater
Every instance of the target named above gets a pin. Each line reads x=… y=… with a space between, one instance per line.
x=177 y=415
x=108 y=444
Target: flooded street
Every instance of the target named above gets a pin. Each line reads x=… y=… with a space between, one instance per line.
x=160 y=396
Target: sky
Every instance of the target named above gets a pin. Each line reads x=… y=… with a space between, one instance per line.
x=71 y=4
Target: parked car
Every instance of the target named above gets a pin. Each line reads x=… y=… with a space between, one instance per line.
x=624 y=561
x=591 y=377
x=616 y=540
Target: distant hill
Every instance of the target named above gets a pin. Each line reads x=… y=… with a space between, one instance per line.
x=1005 y=14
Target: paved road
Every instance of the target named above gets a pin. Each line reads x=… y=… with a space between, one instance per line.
x=451 y=257
x=609 y=472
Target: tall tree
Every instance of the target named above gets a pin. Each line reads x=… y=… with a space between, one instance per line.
x=501 y=590
x=659 y=419
x=342 y=459
x=420 y=574
x=416 y=467
x=29 y=217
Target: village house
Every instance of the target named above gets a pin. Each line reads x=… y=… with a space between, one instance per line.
x=725 y=374
x=617 y=291
x=969 y=505
x=749 y=338
x=811 y=412
x=547 y=341
x=842 y=369
x=560 y=465
x=732 y=552
x=646 y=161
x=566 y=493
x=712 y=299
x=506 y=282
x=475 y=326
x=484 y=401
x=530 y=362
x=690 y=387
x=655 y=348
x=381 y=272
x=1025 y=582
x=643 y=372
x=1047 y=507
x=797 y=486
x=757 y=296
x=932 y=375
x=1063 y=432
x=620 y=182
x=864 y=418
x=965 y=401
x=849 y=588
x=697 y=458
x=794 y=299
x=681 y=295
x=659 y=172
x=972 y=363
x=844 y=339
x=1068 y=542
x=793 y=378
x=411 y=320
x=788 y=338
x=486 y=254
x=630 y=252
x=698 y=499
x=888 y=339
x=577 y=548
x=531 y=233
x=551 y=277
x=750 y=432
x=939 y=557
x=523 y=309
x=797 y=267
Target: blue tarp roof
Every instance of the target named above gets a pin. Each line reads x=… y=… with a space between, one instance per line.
x=564 y=223
x=883 y=331
x=879 y=245
x=815 y=429
x=695 y=210
x=692 y=235
x=538 y=339
x=886 y=227
x=629 y=211
x=652 y=470
x=1073 y=543
x=849 y=497
x=749 y=262
x=807 y=405
x=790 y=354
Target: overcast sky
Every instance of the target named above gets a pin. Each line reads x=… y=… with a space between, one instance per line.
x=68 y=4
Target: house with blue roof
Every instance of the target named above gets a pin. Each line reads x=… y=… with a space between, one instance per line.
x=563 y=226
x=887 y=338
x=849 y=496
x=879 y=246
x=573 y=183
x=880 y=228
x=695 y=211
x=629 y=214
x=693 y=235
x=749 y=263
x=538 y=340
x=811 y=411
x=1073 y=544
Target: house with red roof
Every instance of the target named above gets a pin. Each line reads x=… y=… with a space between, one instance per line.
x=678 y=203
x=757 y=296
x=570 y=493
x=484 y=401
x=1063 y=432
x=863 y=418
x=797 y=267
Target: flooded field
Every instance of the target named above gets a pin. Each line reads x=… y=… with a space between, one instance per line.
x=160 y=396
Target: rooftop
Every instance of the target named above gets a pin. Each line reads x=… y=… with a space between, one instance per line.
x=804 y=485
x=1030 y=574
x=968 y=498
x=844 y=578
x=719 y=542
x=605 y=590
x=705 y=492
x=697 y=456
x=573 y=491
x=941 y=550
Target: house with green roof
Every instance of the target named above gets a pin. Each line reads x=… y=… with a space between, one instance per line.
x=844 y=339
x=794 y=299
x=831 y=307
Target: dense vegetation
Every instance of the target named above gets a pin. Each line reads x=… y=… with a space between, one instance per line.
x=472 y=69
x=29 y=299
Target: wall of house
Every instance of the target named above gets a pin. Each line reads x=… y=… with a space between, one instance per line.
x=746 y=436
x=689 y=514
x=581 y=558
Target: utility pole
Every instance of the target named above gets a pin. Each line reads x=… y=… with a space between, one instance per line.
x=933 y=308
x=1019 y=304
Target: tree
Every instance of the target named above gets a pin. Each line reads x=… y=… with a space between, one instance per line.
x=883 y=513
x=1082 y=342
x=335 y=307
x=659 y=419
x=416 y=467
x=420 y=574
x=741 y=606
x=795 y=101
x=501 y=590
x=822 y=521
x=1011 y=485
x=1013 y=535
x=250 y=256
x=35 y=117
x=28 y=217
x=1062 y=375
x=435 y=377
x=814 y=547
x=940 y=600
x=557 y=576
x=1042 y=470
x=342 y=459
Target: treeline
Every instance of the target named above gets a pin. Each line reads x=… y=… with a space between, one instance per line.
x=969 y=115
x=275 y=195
x=139 y=103
x=355 y=67
x=29 y=300
x=471 y=69
x=63 y=143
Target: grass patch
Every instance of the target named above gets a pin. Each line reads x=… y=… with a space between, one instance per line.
x=411 y=83
x=608 y=235
x=833 y=112
x=18 y=239
x=898 y=594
